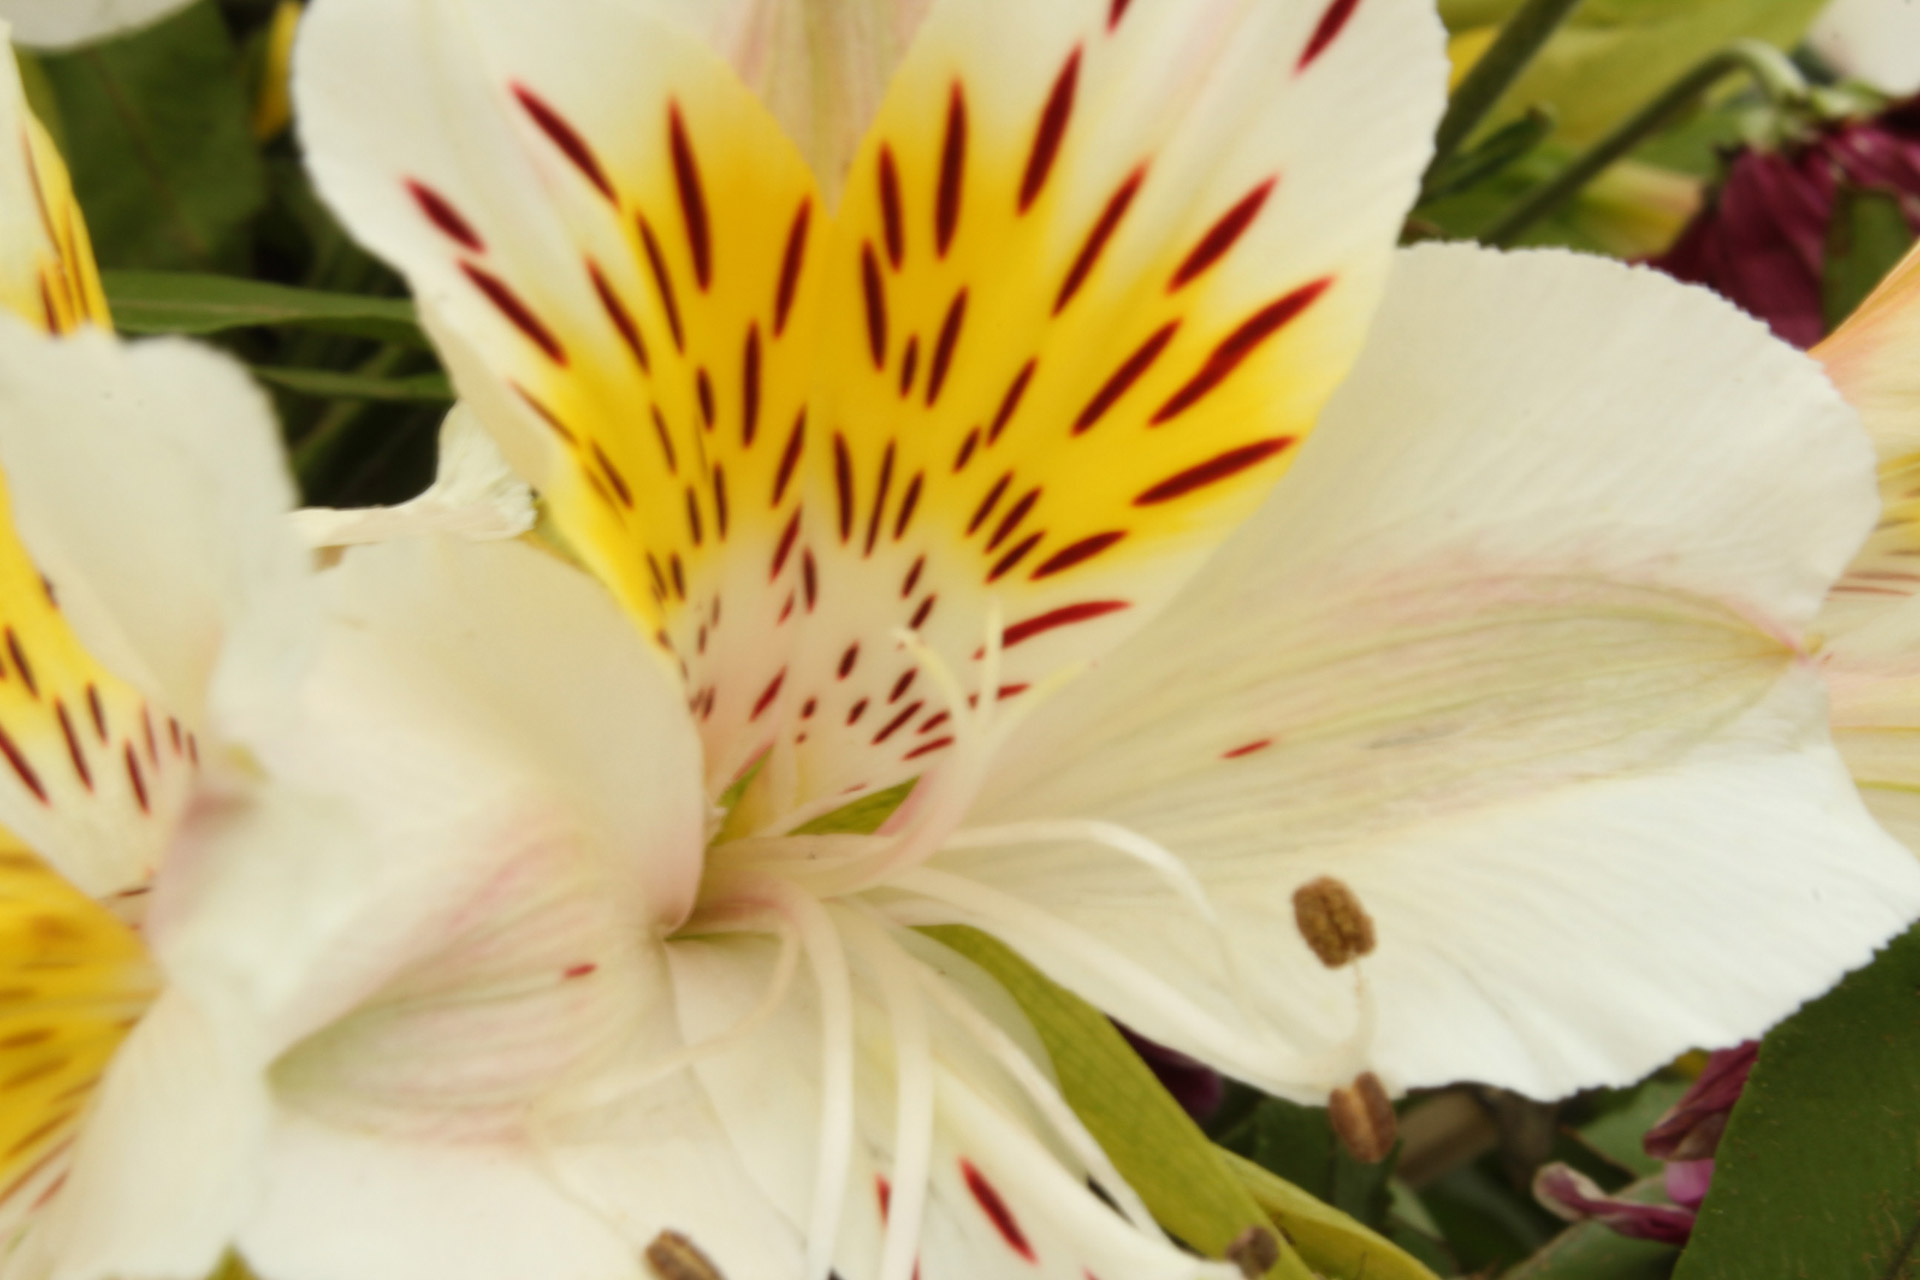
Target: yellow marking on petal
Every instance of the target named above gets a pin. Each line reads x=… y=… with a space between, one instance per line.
x=48 y=276
x=73 y=981
x=273 y=104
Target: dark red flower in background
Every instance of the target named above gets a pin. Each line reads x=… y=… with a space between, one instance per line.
x=1761 y=241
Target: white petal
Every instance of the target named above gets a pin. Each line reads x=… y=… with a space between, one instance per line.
x=1877 y=41
x=61 y=24
x=148 y=483
x=168 y=1162
x=1869 y=356
x=337 y=1203
x=1511 y=654
x=474 y=495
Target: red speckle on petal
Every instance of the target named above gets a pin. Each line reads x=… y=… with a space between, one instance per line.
x=580 y=970
x=1064 y=616
x=1214 y=470
x=565 y=137
x=441 y=213
x=1328 y=30
x=1051 y=130
x=1247 y=750
x=1221 y=238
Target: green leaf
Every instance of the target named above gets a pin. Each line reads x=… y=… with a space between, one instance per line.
x=418 y=388
x=158 y=137
x=1819 y=1172
x=1202 y=1195
x=1866 y=239
x=1593 y=1251
x=183 y=302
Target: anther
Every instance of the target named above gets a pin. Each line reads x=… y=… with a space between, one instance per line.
x=1254 y=1251
x=1332 y=921
x=672 y=1256
x=1363 y=1119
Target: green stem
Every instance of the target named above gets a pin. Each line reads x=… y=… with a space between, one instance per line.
x=1496 y=70
x=1770 y=70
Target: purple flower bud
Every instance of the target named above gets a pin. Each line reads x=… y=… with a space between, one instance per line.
x=1576 y=1197
x=1691 y=1129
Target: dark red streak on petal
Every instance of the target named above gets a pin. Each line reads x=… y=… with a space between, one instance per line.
x=809 y=579
x=1213 y=471
x=1051 y=130
x=843 y=484
x=1077 y=553
x=694 y=525
x=509 y=304
x=1011 y=561
x=146 y=733
x=138 y=779
x=74 y=752
x=849 y=660
x=1124 y=377
x=988 y=503
x=920 y=615
x=612 y=473
x=1067 y=615
x=771 y=692
x=666 y=441
x=901 y=686
x=1222 y=236
x=1247 y=750
x=926 y=748
x=617 y=312
x=967 y=447
x=1096 y=241
x=934 y=721
x=913 y=577
x=996 y=1209
x=1010 y=403
x=874 y=292
x=564 y=136
x=545 y=414
x=580 y=970
x=703 y=391
x=664 y=282
x=880 y=498
x=679 y=576
x=441 y=213
x=99 y=713
x=1115 y=13
x=953 y=168
x=1012 y=519
x=944 y=346
x=790 y=458
x=785 y=548
x=693 y=201
x=720 y=503
x=21 y=767
x=858 y=709
x=1331 y=22
x=790 y=264
x=909 y=366
x=894 y=725
x=908 y=503
x=659 y=589
x=1237 y=346
x=20 y=660
x=890 y=218
x=750 y=387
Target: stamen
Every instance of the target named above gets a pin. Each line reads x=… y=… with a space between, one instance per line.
x=1333 y=922
x=1362 y=1118
x=913 y=1091
x=1254 y=1251
x=672 y=1256
x=1041 y=1092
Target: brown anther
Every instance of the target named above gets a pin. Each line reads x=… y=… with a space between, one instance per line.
x=1254 y=1251
x=672 y=1256
x=1363 y=1119
x=1332 y=921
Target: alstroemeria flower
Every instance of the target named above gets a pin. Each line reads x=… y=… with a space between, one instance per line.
x=62 y=24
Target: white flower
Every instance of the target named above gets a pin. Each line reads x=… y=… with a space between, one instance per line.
x=62 y=24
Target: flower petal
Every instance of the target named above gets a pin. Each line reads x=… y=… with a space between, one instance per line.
x=1877 y=41
x=1512 y=657
x=74 y=981
x=61 y=24
x=47 y=273
x=474 y=494
x=598 y=220
x=1088 y=291
x=148 y=488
